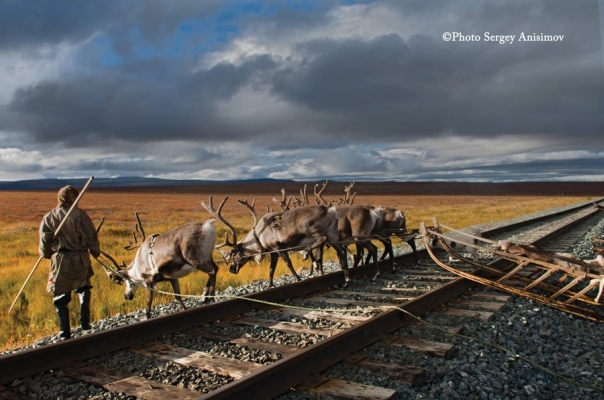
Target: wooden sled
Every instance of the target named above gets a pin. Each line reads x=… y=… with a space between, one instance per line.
x=560 y=282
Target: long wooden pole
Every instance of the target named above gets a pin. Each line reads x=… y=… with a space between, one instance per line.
x=75 y=203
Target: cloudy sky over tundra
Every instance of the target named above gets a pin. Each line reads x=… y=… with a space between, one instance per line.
x=365 y=90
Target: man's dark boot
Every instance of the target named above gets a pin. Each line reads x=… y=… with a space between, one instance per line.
x=84 y=308
x=61 y=303
x=63 y=314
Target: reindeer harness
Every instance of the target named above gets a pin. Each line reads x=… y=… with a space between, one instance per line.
x=150 y=254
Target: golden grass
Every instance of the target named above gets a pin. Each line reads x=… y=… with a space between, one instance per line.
x=33 y=316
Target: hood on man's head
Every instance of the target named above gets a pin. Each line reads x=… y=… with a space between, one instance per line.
x=67 y=196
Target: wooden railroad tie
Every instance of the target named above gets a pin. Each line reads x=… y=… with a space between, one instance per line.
x=190 y=358
x=445 y=350
x=340 y=389
x=131 y=385
x=405 y=373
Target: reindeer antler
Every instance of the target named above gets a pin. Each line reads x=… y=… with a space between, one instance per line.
x=305 y=201
x=284 y=204
x=219 y=217
x=319 y=198
x=251 y=208
x=115 y=276
x=348 y=200
x=138 y=230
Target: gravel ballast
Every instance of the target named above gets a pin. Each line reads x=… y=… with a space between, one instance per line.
x=565 y=347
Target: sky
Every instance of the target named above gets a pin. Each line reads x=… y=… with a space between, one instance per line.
x=403 y=90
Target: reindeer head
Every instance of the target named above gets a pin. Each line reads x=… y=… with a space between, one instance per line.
x=233 y=257
x=132 y=284
x=237 y=259
x=132 y=275
x=245 y=251
x=249 y=248
x=121 y=274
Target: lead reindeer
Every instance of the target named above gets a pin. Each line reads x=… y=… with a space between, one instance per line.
x=169 y=256
x=278 y=233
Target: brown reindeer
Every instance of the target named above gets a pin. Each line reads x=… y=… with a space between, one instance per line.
x=169 y=256
x=356 y=225
x=278 y=233
x=392 y=222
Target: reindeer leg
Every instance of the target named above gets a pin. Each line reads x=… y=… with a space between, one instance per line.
x=387 y=244
x=358 y=257
x=341 y=251
x=319 y=259
x=176 y=289
x=411 y=243
x=388 y=251
x=368 y=258
x=210 y=288
x=287 y=260
x=150 y=301
x=316 y=257
x=274 y=259
x=307 y=254
x=372 y=249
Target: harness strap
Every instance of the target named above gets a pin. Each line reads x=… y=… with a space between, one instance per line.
x=150 y=254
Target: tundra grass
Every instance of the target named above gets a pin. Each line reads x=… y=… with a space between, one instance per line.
x=33 y=315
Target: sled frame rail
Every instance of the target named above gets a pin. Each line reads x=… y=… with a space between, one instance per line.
x=547 y=283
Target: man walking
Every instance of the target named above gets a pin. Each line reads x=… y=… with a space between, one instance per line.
x=68 y=251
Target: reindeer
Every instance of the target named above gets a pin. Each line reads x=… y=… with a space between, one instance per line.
x=355 y=225
x=169 y=256
x=390 y=221
x=277 y=233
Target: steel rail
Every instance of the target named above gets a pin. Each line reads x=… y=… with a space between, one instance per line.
x=37 y=360
x=550 y=301
x=277 y=378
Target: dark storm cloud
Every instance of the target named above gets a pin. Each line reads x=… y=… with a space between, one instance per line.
x=25 y=24
x=303 y=76
x=121 y=105
x=390 y=86
x=395 y=88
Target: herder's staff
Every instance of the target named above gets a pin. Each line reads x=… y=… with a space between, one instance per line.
x=75 y=203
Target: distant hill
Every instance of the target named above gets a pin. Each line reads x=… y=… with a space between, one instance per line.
x=130 y=181
x=274 y=186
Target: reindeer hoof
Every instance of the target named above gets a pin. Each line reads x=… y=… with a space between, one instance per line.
x=206 y=298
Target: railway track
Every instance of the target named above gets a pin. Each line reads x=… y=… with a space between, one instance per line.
x=333 y=324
